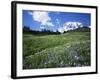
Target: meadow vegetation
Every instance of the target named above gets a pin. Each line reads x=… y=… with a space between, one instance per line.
x=71 y=49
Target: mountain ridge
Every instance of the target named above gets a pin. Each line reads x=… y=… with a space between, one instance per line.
x=68 y=26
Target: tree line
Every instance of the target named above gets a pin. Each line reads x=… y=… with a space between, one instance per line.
x=27 y=30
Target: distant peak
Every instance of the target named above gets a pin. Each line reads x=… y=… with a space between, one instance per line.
x=70 y=26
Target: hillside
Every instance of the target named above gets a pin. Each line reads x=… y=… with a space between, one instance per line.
x=71 y=49
x=83 y=29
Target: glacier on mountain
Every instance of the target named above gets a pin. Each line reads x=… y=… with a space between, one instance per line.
x=70 y=26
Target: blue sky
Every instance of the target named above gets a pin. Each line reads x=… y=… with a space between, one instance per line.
x=38 y=20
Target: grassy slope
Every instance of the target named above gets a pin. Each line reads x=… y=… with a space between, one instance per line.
x=64 y=50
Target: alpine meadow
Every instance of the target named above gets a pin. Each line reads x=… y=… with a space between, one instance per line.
x=56 y=39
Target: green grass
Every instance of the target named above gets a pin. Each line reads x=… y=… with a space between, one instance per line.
x=71 y=49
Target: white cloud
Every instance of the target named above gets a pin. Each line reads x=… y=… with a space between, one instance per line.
x=42 y=27
x=57 y=20
x=42 y=17
x=31 y=13
x=49 y=23
x=61 y=30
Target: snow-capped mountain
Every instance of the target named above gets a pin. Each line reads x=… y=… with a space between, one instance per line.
x=70 y=26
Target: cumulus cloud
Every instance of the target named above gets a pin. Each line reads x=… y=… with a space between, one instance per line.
x=49 y=23
x=42 y=17
x=57 y=21
x=61 y=30
x=42 y=27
